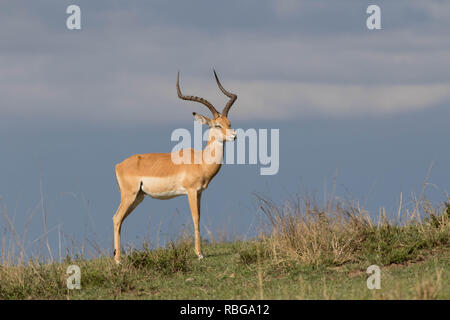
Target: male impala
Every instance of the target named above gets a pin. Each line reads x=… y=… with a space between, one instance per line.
x=157 y=175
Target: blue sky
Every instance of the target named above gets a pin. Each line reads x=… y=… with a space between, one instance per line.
x=372 y=106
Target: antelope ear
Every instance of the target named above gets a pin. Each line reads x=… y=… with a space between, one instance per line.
x=201 y=119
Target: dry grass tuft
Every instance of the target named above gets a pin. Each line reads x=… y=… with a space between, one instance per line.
x=344 y=233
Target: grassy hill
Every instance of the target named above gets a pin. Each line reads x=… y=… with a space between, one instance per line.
x=304 y=253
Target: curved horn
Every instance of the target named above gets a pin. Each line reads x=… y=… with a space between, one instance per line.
x=230 y=95
x=196 y=99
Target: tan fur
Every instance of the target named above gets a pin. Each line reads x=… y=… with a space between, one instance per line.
x=155 y=174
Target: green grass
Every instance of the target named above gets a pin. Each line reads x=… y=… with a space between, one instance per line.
x=229 y=271
x=306 y=254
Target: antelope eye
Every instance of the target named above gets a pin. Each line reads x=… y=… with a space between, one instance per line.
x=217 y=126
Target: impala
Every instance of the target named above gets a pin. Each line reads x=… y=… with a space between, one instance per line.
x=157 y=175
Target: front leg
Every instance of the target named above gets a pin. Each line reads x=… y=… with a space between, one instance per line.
x=194 y=203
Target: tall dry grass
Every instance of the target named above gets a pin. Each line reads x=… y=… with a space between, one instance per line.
x=343 y=232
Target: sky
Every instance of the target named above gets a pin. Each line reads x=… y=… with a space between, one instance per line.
x=369 y=107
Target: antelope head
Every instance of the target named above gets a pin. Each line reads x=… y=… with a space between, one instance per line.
x=220 y=127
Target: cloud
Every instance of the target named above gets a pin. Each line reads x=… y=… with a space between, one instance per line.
x=287 y=100
x=438 y=9
x=155 y=101
x=123 y=69
x=286 y=8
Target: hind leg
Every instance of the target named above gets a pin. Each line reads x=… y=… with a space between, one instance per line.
x=128 y=203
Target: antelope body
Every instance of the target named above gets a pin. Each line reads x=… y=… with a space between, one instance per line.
x=157 y=175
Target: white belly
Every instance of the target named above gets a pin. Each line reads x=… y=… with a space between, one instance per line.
x=166 y=195
x=162 y=188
